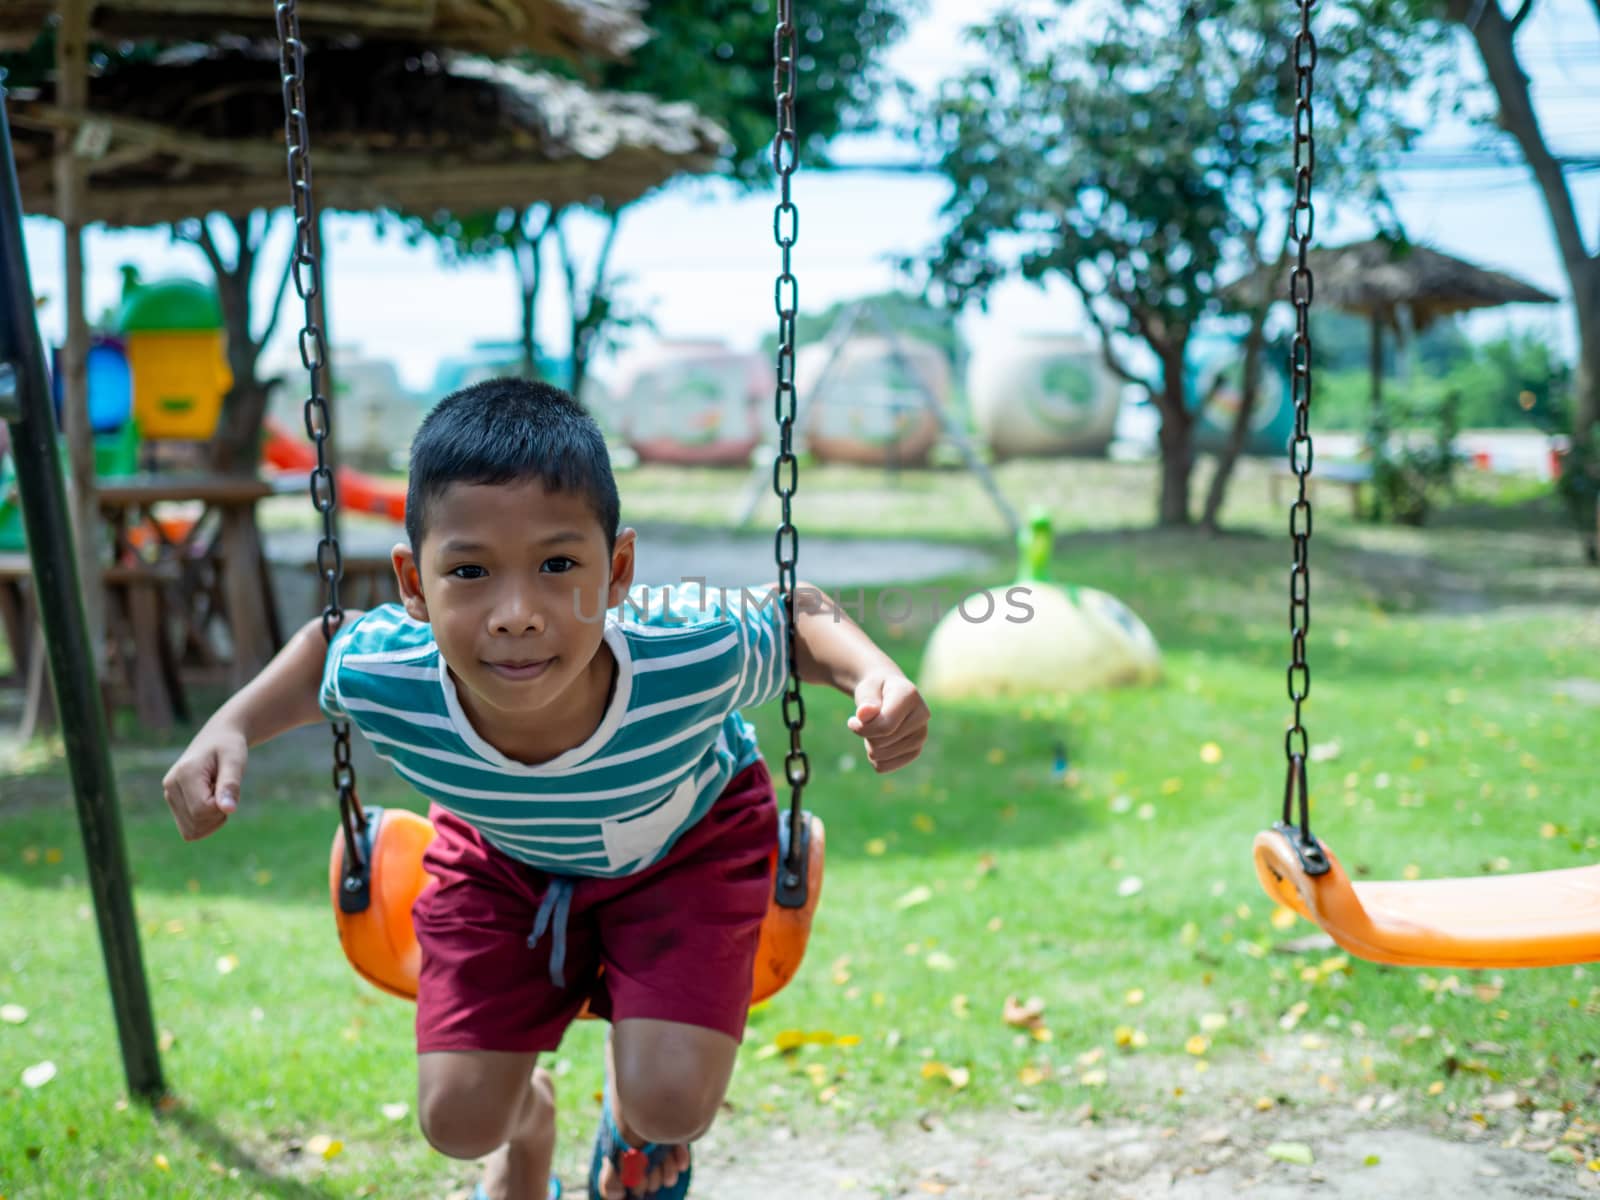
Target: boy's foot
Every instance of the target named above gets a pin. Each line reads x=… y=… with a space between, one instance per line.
x=656 y=1179
x=520 y=1170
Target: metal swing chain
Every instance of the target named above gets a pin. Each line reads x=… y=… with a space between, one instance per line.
x=786 y=467
x=307 y=272
x=1302 y=225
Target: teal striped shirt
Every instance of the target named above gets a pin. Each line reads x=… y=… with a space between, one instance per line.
x=688 y=660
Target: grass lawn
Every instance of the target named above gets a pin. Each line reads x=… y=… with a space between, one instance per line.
x=1121 y=899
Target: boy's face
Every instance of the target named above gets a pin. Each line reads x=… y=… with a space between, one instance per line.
x=515 y=580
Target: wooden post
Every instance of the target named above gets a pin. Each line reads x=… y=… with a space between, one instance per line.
x=72 y=94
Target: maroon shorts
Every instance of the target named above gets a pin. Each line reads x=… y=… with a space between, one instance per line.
x=677 y=941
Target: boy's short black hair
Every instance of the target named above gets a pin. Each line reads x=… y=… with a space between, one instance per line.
x=507 y=431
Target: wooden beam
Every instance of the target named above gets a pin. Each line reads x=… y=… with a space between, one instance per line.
x=72 y=84
x=164 y=139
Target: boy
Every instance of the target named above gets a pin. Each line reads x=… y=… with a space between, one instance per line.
x=599 y=799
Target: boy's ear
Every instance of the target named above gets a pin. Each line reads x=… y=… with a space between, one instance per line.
x=410 y=580
x=622 y=563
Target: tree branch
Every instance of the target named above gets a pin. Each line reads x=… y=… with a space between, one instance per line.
x=1521 y=15
x=202 y=239
x=1493 y=32
x=1108 y=352
x=276 y=310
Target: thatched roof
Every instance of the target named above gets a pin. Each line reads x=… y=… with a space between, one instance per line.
x=392 y=126
x=1378 y=278
x=561 y=28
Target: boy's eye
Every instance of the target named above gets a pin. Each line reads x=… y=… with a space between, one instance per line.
x=468 y=571
x=559 y=565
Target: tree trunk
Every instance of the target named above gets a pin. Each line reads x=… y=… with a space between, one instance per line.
x=1249 y=393
x=236 y=446
x=1586 y=387
x=1177 y=443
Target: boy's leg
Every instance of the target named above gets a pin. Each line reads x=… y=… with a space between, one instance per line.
x=668 y=1080
x=488 y=1004
x=679 y=945
x=471 y=1104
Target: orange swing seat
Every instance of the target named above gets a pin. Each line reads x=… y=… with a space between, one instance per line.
x=1538 y=919
x=381 y=942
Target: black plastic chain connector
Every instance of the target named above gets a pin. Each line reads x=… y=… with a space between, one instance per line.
x=1302 y=224
x=792 y=883
x=307 y=273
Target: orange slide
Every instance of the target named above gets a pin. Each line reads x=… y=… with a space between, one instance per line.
x=357 y=492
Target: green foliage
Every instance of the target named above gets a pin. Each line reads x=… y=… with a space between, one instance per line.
x=1512 y=381
x=717 y=55
x=1411 y=475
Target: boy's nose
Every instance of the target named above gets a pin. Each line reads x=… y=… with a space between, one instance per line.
x=518 y=613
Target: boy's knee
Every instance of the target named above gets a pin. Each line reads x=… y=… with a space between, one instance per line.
x=671 y=1110
x=460 y=1125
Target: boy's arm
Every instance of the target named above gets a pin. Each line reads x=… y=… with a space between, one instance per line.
x=830 y=648
x=202 y=787
x=287 y=694
x=891 y=715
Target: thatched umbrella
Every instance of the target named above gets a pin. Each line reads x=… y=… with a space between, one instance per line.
x=562 y=28
x=1381 y=279
x=393 y=126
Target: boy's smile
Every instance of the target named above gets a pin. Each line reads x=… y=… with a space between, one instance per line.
x=514 y=580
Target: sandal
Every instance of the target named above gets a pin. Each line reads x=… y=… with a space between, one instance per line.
x=555 y=1191
x=633 y=1164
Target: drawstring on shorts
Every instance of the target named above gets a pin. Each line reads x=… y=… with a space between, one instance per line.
x=552 y=915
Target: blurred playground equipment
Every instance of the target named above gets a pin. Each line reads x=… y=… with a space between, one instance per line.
x=1215 y=384
x=1043 y=395
x=694 y=403
x=1035 y=636
x=873 y=401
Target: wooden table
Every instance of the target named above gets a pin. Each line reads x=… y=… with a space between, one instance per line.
x=206 y=526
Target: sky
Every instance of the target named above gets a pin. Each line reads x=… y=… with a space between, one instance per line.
x=699 y=255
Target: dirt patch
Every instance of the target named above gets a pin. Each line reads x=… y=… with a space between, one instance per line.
x=1039 y=1156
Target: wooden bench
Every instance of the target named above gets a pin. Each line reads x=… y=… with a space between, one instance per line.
x=141 y=662
x=1352 y=476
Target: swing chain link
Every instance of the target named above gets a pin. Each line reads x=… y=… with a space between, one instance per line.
x=307 y=273
x=785 y=468
x=1302 y=224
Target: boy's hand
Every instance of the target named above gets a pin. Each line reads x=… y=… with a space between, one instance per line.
x=203 y=786
x=893 y=718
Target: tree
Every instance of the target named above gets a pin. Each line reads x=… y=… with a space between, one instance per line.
x=1144 y=158
x=1494 y=33
x=717 y=56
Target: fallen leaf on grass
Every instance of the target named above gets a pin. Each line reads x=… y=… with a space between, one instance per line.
x=877 y=847
x=1291 y=1152
x=325 y=1147
x=916 y=896
x=13 y=1014
x=39 y=1074
x=1023 y=1016
x=956 y=1077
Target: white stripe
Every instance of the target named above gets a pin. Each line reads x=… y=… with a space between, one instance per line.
x=668 y=662
x=381 y=656
x=427 y=720
x=395 y=671
x=560 y=798
x=594 y=764
x=665 y=706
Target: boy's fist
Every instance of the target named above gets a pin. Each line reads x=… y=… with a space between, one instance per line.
x=203 y=786
x=892 y=717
